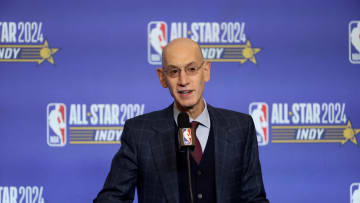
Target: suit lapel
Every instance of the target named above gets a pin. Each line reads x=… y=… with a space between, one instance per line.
x=220 y=128
x=164 y=154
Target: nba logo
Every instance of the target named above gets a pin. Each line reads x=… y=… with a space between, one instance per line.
x=187 y=136
x=157 y=40
x=355 y=193
x=56 y=124
x=260 y=116
x=354 y=42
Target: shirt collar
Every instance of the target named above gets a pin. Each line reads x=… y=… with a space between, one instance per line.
x=203 y=118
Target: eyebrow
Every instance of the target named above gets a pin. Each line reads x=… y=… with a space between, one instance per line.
x=187 y=65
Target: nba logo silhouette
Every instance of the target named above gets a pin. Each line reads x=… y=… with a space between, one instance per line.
x=260 y=115
x=157 y=40
x=355 y=193
x=354 y=42
x=56 y=124
x=187 y=136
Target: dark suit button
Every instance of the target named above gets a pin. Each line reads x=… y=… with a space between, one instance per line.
x=199 y=196
x=199 y=173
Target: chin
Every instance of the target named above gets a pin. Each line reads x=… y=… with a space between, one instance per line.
x=187 y=104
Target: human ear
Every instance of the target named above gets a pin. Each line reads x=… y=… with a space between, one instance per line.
x=162 y=78
x=207 y=66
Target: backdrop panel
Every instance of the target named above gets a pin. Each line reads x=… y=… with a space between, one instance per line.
x=72 y=72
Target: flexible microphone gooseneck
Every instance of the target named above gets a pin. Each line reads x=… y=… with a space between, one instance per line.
x=186 y=143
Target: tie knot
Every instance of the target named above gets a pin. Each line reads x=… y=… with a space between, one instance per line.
x=194 y=125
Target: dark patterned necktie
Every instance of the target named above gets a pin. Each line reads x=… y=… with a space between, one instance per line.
x=197 y=153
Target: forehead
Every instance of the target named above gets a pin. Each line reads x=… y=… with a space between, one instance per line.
x=182 y=53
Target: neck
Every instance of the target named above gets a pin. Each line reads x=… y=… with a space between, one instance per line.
x=193 y=111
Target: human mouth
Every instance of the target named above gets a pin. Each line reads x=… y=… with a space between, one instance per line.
x=185 y=92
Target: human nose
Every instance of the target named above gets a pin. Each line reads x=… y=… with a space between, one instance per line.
x=183 y=80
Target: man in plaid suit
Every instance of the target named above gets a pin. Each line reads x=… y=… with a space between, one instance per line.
x=229 y=170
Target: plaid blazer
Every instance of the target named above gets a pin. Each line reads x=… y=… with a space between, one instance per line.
x=147 y=160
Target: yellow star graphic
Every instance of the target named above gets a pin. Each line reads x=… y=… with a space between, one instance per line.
x=349 y=133
x=46 y=53
x=249 y=53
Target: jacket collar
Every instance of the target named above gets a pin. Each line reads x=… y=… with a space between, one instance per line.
x=203 y=118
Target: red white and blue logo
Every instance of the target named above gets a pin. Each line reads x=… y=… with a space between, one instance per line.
x=187 y=136
x=219 y=41
x=157 y=40
x=355 y=193
x=260 y=115
x=56 y=124
x=354 y=42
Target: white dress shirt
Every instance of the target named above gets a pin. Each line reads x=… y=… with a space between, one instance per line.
x=203 y=130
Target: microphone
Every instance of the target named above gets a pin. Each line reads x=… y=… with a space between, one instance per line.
x=186 y=143
x=186 y=133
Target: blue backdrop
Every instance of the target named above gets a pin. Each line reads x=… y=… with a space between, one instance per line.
x=71 y=73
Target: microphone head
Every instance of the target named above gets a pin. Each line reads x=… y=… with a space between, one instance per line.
x=183 y=120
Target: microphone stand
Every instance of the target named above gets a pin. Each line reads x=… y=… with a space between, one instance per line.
x=184 y=124
x=189 y=174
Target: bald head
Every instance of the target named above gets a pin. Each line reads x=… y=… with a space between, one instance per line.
x=185 y=73
x=181 y=48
